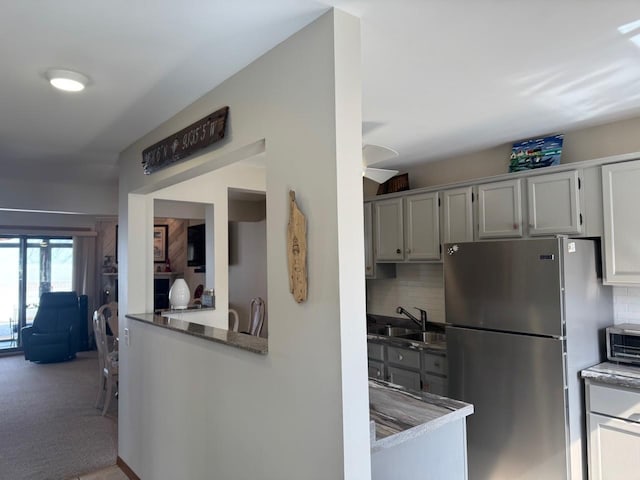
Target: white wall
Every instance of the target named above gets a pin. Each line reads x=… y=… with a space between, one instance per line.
x=185 y=210
x=245 y=211
x=27 y=222
x=59 y=197
x=211 y=189
x=626 y=304
x=583 y=144
x=195 y=409
x=418 y=285
x=248 y=272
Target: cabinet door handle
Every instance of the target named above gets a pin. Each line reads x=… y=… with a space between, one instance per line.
x=408 y=250
x=400 y=357
x=378 y=373
x=515 y=226
x=398 y=251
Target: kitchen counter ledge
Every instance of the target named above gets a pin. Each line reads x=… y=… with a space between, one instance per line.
x=614 y=374
x=219 y=335
x=401 y=415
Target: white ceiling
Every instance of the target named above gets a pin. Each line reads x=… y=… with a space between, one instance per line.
x=440 y=78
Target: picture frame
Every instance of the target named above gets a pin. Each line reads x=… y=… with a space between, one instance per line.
x=160 y=243
x=536 y=153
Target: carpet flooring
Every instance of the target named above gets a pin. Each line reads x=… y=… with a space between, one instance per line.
x=49 y=428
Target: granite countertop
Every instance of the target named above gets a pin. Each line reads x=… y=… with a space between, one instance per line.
x=401 y=415
x=614 y=374
x=218 y=335
x=190 y=308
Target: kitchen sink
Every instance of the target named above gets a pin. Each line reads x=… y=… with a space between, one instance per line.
x=389 y=331
x=400 y=331
x=377 y=330
x=426 y=337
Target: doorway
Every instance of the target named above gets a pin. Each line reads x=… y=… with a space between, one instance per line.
x=30 y=266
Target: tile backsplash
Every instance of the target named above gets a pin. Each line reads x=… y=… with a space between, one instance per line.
x=422 y=285
x=626 y=304
x=416 y=285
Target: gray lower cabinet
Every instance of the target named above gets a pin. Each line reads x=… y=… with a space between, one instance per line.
x=406 y=378
x=435 y=384
x=410 y=368
x=404 y=358
x=375 y=351
x=435 y=370
x=615 y=448
x=403 y=367
x=435 y=363
x=376 y=370
x=613 y=424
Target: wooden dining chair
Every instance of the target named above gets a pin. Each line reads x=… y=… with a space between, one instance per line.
x=107 y=363
x=256 y=319
x=110 y=312
x=234 y=320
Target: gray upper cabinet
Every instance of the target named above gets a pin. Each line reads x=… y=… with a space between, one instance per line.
x=407 y=228
x=371 y=268
x=422 y=224
x=457 y=214
x=554 y=204
x=621 y=198
x=500 y=209
x=389 y=230
x=368 y=240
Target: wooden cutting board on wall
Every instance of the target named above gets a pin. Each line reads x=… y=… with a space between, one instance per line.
x=297 y=250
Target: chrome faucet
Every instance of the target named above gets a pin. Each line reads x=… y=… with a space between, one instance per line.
x=423 y=317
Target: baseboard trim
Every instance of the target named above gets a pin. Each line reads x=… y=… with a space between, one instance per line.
x=126 y=469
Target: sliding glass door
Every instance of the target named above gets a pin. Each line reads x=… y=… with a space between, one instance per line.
x=31 y=266
x=10 y=291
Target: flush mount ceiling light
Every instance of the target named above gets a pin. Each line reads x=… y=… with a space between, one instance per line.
x=67 y=80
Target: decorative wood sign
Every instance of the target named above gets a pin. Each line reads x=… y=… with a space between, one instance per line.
x=186 y=142
x=297 y=250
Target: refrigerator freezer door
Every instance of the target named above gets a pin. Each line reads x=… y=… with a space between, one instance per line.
x=513 y=286
x=516 y=385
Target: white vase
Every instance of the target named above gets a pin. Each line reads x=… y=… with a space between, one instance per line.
x=179 y=295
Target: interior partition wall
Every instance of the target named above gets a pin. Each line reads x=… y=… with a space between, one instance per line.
x=31 y=266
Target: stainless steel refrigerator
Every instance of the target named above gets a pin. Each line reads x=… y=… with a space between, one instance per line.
x=525 y=316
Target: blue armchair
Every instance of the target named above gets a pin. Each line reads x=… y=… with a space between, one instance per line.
x=56 y=331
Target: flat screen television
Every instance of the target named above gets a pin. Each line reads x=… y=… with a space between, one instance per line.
x=196 y=248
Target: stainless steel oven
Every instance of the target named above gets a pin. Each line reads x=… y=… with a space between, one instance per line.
x=623 y=343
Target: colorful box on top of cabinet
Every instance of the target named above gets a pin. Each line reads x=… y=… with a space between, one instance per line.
x=536 y=153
